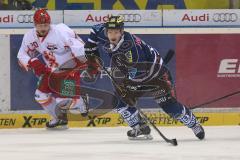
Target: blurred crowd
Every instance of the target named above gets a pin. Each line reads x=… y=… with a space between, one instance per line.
x=15 y=5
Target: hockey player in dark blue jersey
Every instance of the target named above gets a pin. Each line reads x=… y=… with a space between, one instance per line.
x=143 y=74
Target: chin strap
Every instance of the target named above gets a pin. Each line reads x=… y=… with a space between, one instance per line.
x=113 y=47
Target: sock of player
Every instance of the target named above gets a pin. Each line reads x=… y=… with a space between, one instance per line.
x=47 y=102
x=50 y=108
x=130 y=115
x=181 y=113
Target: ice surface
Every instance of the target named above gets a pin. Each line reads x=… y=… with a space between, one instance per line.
x=221 y=143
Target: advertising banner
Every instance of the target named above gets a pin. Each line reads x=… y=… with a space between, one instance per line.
x=132 y=18
x=208 y=67
x=24 y=84
x=130 y=4
x=136 y=18
x=205 y=67
x=113 y=120
x=191 y=18
x=23 y=19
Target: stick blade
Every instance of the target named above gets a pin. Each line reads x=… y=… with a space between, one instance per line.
x=174 y=142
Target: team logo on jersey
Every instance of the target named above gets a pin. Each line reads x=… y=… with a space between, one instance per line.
x=129 y=56
x=51 y=46
x=31 y=49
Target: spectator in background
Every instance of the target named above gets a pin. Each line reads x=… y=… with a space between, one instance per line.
x=15 y=5
x=234 y=4
x=5 y=6
x=40 y=3
x=22 y=4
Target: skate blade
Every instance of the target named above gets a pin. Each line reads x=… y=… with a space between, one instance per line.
x=141 y=137
x=63 y=127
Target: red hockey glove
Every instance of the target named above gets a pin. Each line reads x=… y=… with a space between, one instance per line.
x=38 y=67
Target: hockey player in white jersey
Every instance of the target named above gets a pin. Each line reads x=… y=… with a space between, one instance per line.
x=44 y=49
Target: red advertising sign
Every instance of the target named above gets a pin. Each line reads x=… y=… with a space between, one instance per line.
x=208 y=67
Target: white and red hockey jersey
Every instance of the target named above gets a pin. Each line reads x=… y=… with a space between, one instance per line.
x=59 y=46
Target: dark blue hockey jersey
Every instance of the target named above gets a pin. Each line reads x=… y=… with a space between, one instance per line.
x=137 y=60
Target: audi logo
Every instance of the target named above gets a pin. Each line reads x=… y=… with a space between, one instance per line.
x=25 y=18
x=225 y=17
x=131 y=17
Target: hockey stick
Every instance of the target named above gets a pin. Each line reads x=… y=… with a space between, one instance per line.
x=172 y=141
x=215 y=100
x=168 y=56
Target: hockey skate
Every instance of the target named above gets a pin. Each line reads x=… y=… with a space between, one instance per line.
x=57 y=124
x=85 y=108
x=198 y=131
x=140 y=132
x=75 y=107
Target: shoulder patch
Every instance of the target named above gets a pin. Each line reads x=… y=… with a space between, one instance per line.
x=98 y=27
x=137 y=40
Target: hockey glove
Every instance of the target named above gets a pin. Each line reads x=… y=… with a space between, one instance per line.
x=38 y=67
